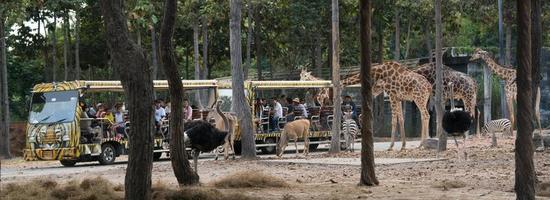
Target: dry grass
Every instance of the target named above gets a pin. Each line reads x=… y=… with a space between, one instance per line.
x=543 y=189
x=89 y=189
x=250 y=180
x=449 y=184
x=162 y=192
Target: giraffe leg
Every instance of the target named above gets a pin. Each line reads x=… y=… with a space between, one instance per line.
x=425 y=118
x=509 y=102
x=394 y=108
x=401 y=123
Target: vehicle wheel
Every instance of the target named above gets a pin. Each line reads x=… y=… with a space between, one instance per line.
x=237 y=147
x=68 y=163
x=313 y=147
x=107 y=155
x=156 y=156
x=270 y=149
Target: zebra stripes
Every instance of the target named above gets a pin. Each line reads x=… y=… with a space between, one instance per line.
x=499 y=125
x=349 y=132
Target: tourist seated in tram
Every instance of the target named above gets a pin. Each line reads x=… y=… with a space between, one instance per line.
x=160 y=113
x=290 y=106
x=119 y=123
x=276 y=113
x=348 y=101
x=187 y=110
x=298 y=106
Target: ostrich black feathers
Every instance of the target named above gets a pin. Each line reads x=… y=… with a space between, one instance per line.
x=456 y=123
x=203 y=135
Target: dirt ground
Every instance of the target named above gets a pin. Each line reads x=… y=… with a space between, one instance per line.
x=488 y=173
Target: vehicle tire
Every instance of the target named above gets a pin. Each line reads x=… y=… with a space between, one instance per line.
x=270 y=149
x=68 y=163
x=108 y=154
x=237 y=148
x=156 y=156
x=313 y=147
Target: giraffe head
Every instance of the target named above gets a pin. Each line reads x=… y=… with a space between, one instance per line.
x=478 y=54
x=305 y=75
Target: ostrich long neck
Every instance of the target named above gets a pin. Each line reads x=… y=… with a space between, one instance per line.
x=502 y=72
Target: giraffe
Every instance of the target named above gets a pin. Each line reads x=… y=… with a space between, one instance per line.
x=508 y=75
x=401 y=84
x=463 y=87
x=323 y=96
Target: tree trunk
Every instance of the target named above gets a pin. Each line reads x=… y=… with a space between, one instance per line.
x=239 y=102
x=54 y=49
x=66 y=47
x=204 y=71
x=397 y=51
x=525 y=168
x=47 y=76
x=536 y=50
x=182 y=169
x=196 y=60
x=318 y=55
x=439 y=78
x=337 y=97
x=407 y=48
x=257 y=41
x=77 y=47
x=508 y=20
x=138 y=37
x=4 y=98
x=135 y=75
x=368 y=175
x=428 y=40
x=380 y=57
x=248 y=40
x=154 y=50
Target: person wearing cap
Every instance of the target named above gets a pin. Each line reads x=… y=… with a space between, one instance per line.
x=299 y=106
x=348 y=101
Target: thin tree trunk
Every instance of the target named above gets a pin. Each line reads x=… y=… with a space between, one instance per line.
x=196 y=60
x=138 y=32
x=133 y=68
x=508 y=20
x=536 y=50
x=397 y=50
x=54 y=49
x=407 y=48
x=439 y=79
x=178 y=155
x=4 y=100
x=335 y=138
x=66 y=47
x=368 y=175
x=205 y=70
x=380 y=58
x=77 y=46
x=239 y=102
x=258 y=42
x=154 y=50
x=318 y=54
x=47 y=77
x=187 y=63
x=248 y=39
x=525 y=168
x=428 y=40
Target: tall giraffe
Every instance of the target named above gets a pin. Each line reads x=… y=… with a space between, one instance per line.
x=323 y=96
x=509 y=76
x=464 y=87
x=401 y=84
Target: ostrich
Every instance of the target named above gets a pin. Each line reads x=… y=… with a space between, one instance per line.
x=457 y=123
x=202 y=136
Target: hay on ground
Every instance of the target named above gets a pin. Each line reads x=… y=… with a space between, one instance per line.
x=449 y=184
x=162 y=192
x=543 y=189
x=250 y=179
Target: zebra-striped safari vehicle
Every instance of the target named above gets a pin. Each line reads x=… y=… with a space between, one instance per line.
x=58 y=128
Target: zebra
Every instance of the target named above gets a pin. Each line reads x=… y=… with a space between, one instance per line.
x=499 y=125
x=349 y=131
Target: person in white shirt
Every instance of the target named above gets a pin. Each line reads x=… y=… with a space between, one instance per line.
x=277 y=113
x=159 y=111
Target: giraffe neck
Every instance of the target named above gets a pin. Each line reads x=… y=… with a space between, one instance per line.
x=351 y=80
x=501 y=72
